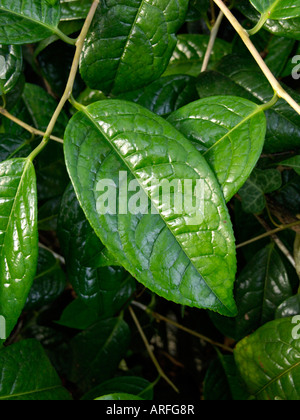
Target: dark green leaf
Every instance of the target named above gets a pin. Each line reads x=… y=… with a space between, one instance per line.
x=49 y=282
x=129 y=384
x=293 y=162
x=75 y=9
x=189 y=54
x=187 y=258
x=229 y=132
x=268 y=361
x=165 y=95
x=11 y=63
x=289 y=307
x=18 y=237
x=259 y=184
x=130 y=43
x=97 y=352
x=48 y=214
x=27 y=21
x=28 y=374
x=12 y=146
x=119 y=397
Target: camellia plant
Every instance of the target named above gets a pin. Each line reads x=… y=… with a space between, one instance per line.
x=149 y=199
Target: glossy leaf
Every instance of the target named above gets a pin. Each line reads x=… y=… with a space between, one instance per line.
x=268 y=361
x=119 y=397
x=290 y=307
x=293 y=162
x=182 y=258
x=49 y=282
x=13 y=146
x=75 y=9
x=277 y=9
x=229 y=132
x=97 y=352
x=165 y=95
x=260 y=183
x=18 y=237
x=242 y=77
x=189 y=54
x=130 y=44
x=28 y=374
x=129 y=384
x=11 y=64
x=27 y=21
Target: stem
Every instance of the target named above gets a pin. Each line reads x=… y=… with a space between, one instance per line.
x=65 y=37
x=265 y=69
x=150 y=352
x=71 y=80
x=264 y=17
x=159 y=317
x=27 y=127
x=212 y=40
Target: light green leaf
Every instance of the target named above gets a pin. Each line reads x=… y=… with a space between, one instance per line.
x=269 y=361
x=293 y=162
x=277 y=9
x=189 y=54
x=18 y=237
x=130 y=44
x=27 y=21
x=27 y=374
x=176 y=252
x=261 y=182
x=11 y=64
x=229 y=132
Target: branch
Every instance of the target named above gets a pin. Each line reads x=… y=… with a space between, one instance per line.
x=212 y=40
x=71 y=80
x=257 y=57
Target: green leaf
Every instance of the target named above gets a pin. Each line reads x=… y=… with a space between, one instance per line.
x=277 y=9
x=186 y=258
x=130 y=43
x=289 y=307
x=293 y=162
x=288 y=27
x=229 y=132
x=165 y=95
x=18 y=237
x=13 y=146
x=75 y=9
x=261 y=182
x=48 y=214
x=119 y=397
x=262 y=286
x=49 y=282
x=27 y=21
x=242 y=77
x=189 y=54
x=97 y=352
x=129 y=384
x=11 y=64
x=27 y=374
x=268 y=361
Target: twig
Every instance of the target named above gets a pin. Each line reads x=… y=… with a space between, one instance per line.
x=27 y=127
x=150 y=352
x=159 y=317
x=265 y=69
x=71 y=79
x=212 y=40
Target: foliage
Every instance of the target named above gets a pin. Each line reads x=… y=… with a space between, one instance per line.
x=165 y=188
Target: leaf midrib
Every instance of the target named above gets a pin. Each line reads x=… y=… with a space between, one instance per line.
x=32 y=392
x=91 y=119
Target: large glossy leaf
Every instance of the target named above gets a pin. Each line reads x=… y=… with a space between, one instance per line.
x=75 y=9
x=262 y=286
x=13 y=146
x=188 y=258
x=286 y=26
x=18 y=237
x=269 y=361
x=277 y=9
x=290 y=307
x=27 y=374
x=49 y=282
x=189 y=54
x=26 y=21
x=230 y=134
x=130 y=43
x=11 y=63
x=97 y=352
x=242 y=77
x=166 y=94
